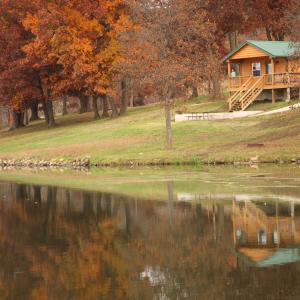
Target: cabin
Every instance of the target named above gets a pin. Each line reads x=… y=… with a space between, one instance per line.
x=260 y=70
x=266 y=235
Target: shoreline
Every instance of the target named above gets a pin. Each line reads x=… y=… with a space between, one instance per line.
x=86 y=163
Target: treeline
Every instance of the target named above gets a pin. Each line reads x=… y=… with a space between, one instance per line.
x=110 y=50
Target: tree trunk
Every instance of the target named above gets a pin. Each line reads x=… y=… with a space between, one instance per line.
x=169 y=140
x=216 y=87
x=233 y=40
x=51 y=121
x=64 y=108
x=268 y=33
x=88 y=105
x=105 y=113
x=45 y=110
x=209 y=86
x=114 y=111
x=47 y=103
x=17 y=120
x=124 y=98
x=26 y=117
x=83 y=104
x=34 y=107
x=131 y=96
x=95 y=107
x=195 y=93
x=171 y=201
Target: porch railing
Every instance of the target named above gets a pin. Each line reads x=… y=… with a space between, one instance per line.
x=287 y=79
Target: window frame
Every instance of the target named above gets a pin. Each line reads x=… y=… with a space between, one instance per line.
x=256 y=64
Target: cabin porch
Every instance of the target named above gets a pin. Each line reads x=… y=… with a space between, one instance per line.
x=270 y=81
x=248 y=78
x=257 y=66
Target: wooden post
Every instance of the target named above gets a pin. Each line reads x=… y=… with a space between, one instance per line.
x=293 y=229
x=273 y=96
x=288 y=90
x=273 y=72
x=229 y=81
x=277 y=224
x=233 y=222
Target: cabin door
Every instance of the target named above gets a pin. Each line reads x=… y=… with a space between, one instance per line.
x=269 y=72
x=256 y=69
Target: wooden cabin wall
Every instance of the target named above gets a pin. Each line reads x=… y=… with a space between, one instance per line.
x=246 y=65
x=248 y=52
x=279 y=64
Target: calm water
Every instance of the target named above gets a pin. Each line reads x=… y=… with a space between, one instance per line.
x=57 y=243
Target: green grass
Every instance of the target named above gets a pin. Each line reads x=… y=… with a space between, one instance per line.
x=267 y=106
x=139 y=138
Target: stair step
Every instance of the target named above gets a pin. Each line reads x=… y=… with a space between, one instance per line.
x=244 y=97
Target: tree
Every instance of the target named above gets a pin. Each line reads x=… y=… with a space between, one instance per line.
x=18 y=87
x=78 y=44
x=272 y=16
x=173 y=47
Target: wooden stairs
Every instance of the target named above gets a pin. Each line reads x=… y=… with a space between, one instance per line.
x=246 y=94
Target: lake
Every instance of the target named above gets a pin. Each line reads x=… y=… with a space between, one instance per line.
x=221 y=233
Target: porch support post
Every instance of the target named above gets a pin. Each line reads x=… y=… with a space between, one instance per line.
x=288 y=90
x=273 y=96
x=229 y=71
x=273 y=70
x=273 y=79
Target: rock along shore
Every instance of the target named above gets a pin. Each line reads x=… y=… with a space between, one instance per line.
x=85 y=163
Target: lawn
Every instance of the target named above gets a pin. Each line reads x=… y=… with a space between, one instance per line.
x=138 y=137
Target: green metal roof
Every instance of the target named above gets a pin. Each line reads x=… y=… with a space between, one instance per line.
x=271 y=48
x=280 y=257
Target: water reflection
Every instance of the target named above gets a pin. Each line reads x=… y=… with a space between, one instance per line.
x=57 y=243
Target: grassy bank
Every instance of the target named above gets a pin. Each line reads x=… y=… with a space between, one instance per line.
x=139 y=138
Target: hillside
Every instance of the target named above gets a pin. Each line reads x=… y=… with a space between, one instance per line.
x=139 y=138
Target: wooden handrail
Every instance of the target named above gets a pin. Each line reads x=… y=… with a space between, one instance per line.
x=236 y=95
x=247 y=92
x=271 y=75
x=258 y=84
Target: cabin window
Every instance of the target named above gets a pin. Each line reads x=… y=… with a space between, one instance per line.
x=241 y=236
x=235 y=70
x=262 y=237
x=256 y=69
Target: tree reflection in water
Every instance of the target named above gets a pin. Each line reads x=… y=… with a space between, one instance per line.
x=68 y=244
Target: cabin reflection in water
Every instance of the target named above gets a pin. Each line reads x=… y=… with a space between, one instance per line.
x=58 y=243
x=266 y=234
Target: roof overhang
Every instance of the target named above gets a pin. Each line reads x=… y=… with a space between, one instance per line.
x=234 y=51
